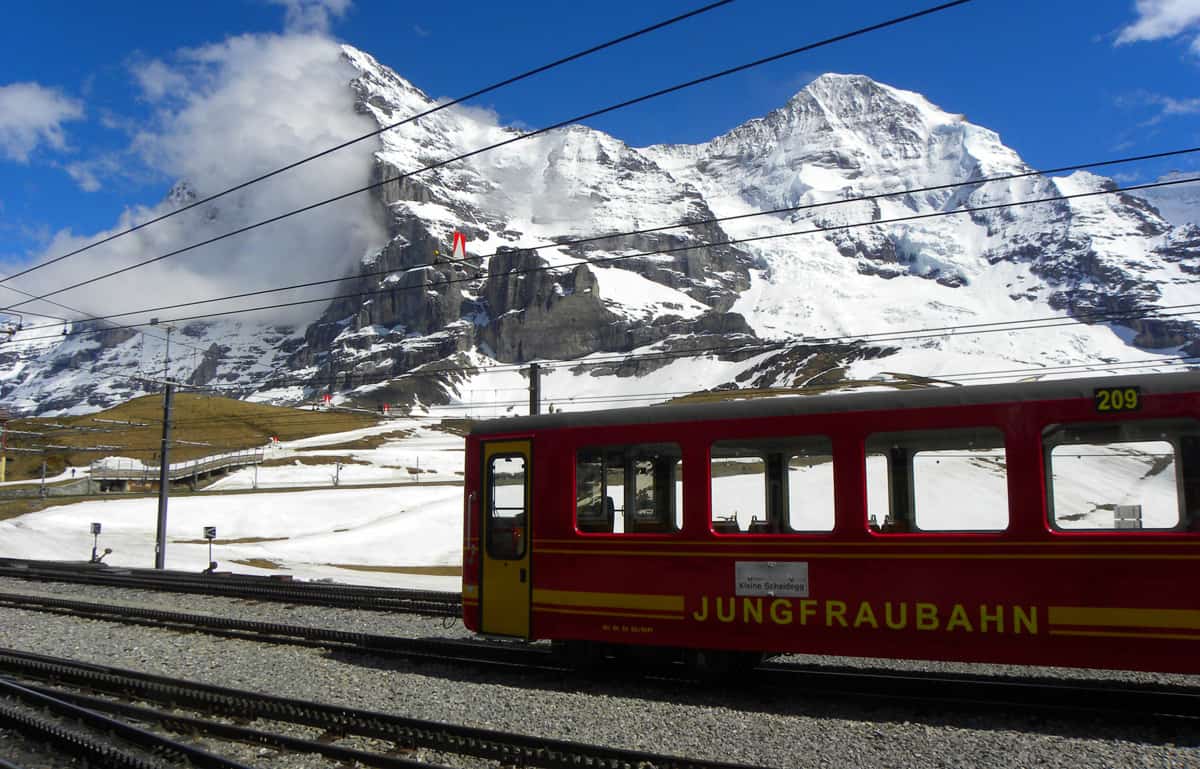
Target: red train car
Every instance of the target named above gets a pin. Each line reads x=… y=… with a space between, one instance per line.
x=1047 y=523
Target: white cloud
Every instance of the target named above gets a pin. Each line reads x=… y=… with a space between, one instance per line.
x=1171 y=106
x=85 y=175
x=485 y=115
x=88 y=174
x=1160 y=19
x=31 y=114
x=248 y=105
x=157 y=80
x=312 y=15
x=1166 y=106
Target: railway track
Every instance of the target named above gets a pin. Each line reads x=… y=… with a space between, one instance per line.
x=97 y=740
x=301 y=635
x=977 y=691
x=250 y=587
x=332 y=724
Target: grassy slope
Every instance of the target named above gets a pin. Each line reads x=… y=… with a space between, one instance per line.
x=225 y=423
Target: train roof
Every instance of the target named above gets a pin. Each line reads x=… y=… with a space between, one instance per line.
x=800 y=405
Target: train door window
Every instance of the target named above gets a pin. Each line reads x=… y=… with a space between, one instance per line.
x=739 y=486
x=878 y=508
x=939 y=480
x=772 y=485
x=1127 y=475
x=507 y=494
x=629 y=489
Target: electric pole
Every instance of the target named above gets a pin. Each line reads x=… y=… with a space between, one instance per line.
x=3 y=446
x=167 y=353
x=164 y=481
x=535 y=389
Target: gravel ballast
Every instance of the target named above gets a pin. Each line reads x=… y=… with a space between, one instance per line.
x=709 y=721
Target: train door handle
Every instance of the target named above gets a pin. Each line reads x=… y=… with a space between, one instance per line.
x=522 y=574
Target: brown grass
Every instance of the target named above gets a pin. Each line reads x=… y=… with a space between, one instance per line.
x=459 y=427
x=313 y=461
x=436 y=571
x=365 y=442
x=713 y=396
x=225 y=423
x=260 y=563
x=12 y=508
x=235 y=541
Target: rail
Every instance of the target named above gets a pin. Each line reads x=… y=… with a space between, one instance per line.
x=133 y=470
x=249 y=587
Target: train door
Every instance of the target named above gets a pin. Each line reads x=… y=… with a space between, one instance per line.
x=505 y=589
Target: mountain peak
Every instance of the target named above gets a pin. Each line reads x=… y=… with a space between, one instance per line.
x=842 y=80
x=400 y=90
x=843 y=96
x=844 y=119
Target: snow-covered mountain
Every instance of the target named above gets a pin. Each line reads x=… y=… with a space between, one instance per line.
x=1179 y=203
x=850 y=269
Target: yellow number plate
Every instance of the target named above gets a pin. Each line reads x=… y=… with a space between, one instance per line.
x=1110 y=399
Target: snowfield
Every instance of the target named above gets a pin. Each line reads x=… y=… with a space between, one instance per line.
x=309 y=534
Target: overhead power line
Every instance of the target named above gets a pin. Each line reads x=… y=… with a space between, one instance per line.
x=676 y=249
x=520 y=137
x=495 y=86
x=745 y=349
x=566 y=243
x=67 y=307
x=806 y=388
x=397 y=124
x=767 y=347
x=302 y=416
x=32 y=297
x=623 y=358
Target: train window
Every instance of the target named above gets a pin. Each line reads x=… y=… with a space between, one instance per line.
x=629 y=489
x=1126 y=475
x=774 y=485
x=937 y=480
x=878 y=508
x=506 y=522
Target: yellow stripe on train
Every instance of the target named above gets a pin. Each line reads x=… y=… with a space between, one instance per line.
x=646 y=602
x=1104 y=616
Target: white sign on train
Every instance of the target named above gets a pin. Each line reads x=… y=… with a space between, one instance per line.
x=772 y=578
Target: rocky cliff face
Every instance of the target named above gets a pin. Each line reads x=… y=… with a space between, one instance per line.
x=528 y=290
x=544 y=277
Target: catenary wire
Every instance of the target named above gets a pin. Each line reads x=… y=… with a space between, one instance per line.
x=656 y=395
x=747 y=349
x=566 y=243
x=74 y=310
x=675 y=249
x=520 y=137
x=880 y=336
x=742 y=349
x=397 y=124
x=739 y=348
x=304 y=415
x=194 y=204
x=624 y=358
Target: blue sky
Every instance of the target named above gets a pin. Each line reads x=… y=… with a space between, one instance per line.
x=1062 y=81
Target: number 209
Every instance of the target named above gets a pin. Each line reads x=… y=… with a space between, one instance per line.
x=1118 y=399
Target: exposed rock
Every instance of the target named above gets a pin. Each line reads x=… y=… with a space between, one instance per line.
x=207 y=369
